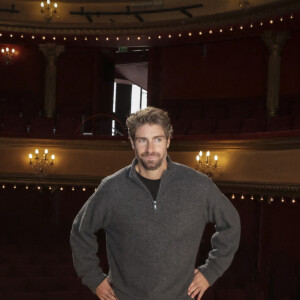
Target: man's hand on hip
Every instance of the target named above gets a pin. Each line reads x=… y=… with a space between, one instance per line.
x=198 y=286
x=104 y=291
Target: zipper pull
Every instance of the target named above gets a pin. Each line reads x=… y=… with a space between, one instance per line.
x=154 y=204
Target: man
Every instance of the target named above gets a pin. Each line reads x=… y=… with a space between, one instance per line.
x=153 y=213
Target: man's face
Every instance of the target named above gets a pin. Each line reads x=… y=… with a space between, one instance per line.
x=150 y=146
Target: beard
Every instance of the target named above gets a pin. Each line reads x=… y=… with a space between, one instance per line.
x=150 y=164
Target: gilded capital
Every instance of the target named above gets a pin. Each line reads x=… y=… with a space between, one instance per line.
x=275 y=41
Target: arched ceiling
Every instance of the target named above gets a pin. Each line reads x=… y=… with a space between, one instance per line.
x=130 y=15
x=144 y=23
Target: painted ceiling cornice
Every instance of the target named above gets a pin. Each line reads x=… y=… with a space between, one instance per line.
x=184 y=23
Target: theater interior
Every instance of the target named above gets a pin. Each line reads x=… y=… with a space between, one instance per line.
x=228 y=73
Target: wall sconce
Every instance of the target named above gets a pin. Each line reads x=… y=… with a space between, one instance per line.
x=207 y=165
x=40 y=163
x=49 y=9
x=8 y=54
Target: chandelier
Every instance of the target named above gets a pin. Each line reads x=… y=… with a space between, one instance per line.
x=207 y=165
x=40 y=164
x=243 y=4
x=8 y=54
x=49 y=9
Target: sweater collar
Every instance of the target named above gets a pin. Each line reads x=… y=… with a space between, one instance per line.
x=133 y=172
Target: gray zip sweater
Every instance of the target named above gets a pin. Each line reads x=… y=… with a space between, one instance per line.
x=152 y=251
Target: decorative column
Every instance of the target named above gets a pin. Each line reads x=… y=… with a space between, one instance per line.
x=275 y=42
x=51 y=53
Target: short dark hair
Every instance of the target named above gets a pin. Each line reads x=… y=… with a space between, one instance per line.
x=149 y=115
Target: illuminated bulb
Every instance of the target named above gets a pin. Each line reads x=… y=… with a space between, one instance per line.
x=200 y=32
x=261 y=23
x=117 y=38
x=231 y=29
x=65 y=38
x=149 y=37
x=43 y=37
x=97 y=38
x=73 y=189
x=30 y=156
x=61 y=188
x=52 y=156
x=179 y=34
x=13 y=50
x=207 y=153
x=221 y=30
x=251 y=25
x=292 y=17
x=26 y=187
x=210 y=32
x=38 y=187
x=2 y=50
x=190 y=34
x=232 y=196
x=50 y=187
x=252 y=197
x=293 y=200
x=46 y=151
x=75 y=38
x=15 y=186
x=242 y=197
x=271 y=199
x=54 y=38
x=55 y=5
x=83 y=189
x=87 y=38
x=216 y=157
x=36 y=151
x=200 y=153
x=0 y=34
x=169 y=36
x=281 y=19
x=107 y=39
x=261 y=198
x=7 y=49
x=95 y=189
x=48 y=1
x=138 y=37
x=282 y=200
x=3 y=186
x=271 y=21
x=241 y=27
x=159 y=36
x=128 y=38
x=42 y=4
x=33 y=37
x=11 y=35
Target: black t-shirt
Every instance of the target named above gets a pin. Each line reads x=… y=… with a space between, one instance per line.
x=151 y=184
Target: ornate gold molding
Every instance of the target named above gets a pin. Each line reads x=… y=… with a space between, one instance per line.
x=269 y=144
x=177 y=144
x=224 y=19
x=266 y=189
x=60 y=180
x=270 y=189
x=109 y=144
